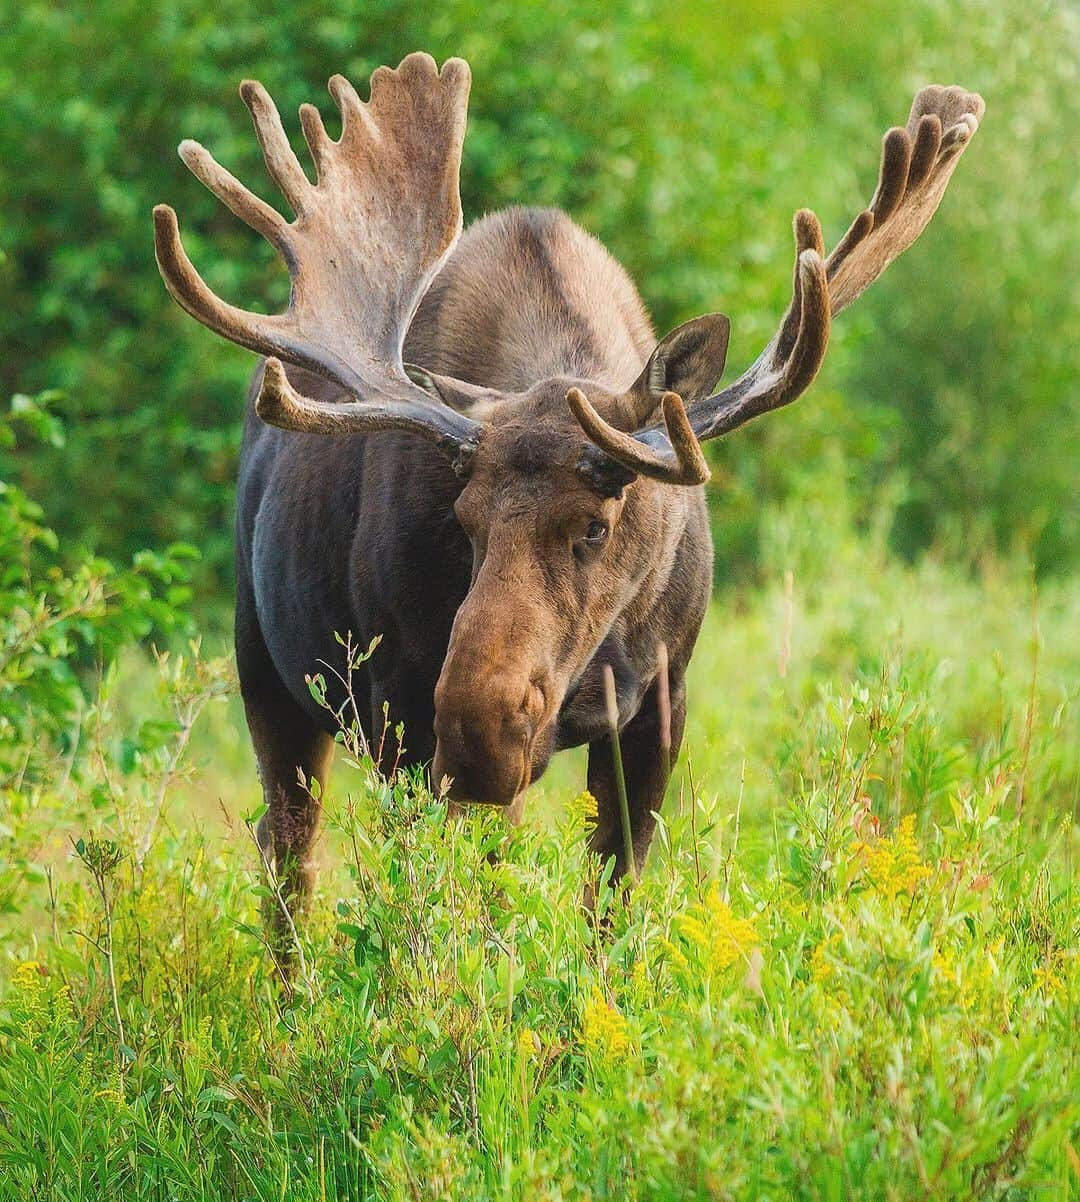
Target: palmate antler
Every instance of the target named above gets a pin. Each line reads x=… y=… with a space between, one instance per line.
x=916 y=165
x=368 y=238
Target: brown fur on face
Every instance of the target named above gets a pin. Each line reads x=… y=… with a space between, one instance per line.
x=544 y=595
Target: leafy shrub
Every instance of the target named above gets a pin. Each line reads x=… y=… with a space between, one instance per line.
x=64 y=619
x=62 y=616
x=684 y=137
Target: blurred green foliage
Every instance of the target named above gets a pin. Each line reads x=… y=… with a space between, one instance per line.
x=64 y=618
x=683 y=135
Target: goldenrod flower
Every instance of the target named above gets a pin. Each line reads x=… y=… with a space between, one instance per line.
x=893 y=865
x=28 y=975
x=604 y=1030
x=821 y=968
x=1047 y=981
x=583 y=806
x=715 y=934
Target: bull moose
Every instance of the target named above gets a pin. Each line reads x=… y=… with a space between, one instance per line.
x=478 y=450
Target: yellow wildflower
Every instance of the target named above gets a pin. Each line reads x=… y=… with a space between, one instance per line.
x=943 y=964
x=527 y=1043
x=952 y=985
x=893 y=864
x=1047 y=981
x=28 y=975
x=675 y=954
x=821 y=967
x=968 y=982
x=583 y=806
x=715 y=934
x=604 y=1029
x=31 y=999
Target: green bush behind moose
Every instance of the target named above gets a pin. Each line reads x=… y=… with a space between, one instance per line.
x=684 y=136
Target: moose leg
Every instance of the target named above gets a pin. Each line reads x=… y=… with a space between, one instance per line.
x=286 y=743
x=646 y=779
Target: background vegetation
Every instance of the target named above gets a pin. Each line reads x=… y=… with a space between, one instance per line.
x=683 y=135
x=850 y=970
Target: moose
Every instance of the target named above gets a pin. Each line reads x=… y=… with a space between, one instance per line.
x=475 y=447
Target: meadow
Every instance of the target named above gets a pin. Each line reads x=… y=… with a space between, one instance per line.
x=849 y=970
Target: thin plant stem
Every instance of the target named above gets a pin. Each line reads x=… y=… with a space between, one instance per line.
x=612 y=703
x=1033 y=700
x=663 y=706
x=785 y=630
x=272 y=879
x=111 y=961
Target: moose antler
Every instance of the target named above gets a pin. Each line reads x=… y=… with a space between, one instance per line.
x=916 y=165
x=368 y=238
x=689 y=466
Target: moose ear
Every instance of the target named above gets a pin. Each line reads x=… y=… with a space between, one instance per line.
x=688 y=361
x=471 y=399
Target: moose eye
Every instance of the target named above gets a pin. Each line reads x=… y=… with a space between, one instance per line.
x=588 y=547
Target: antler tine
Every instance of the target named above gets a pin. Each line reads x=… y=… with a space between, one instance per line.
x=193 y=295
x=916 y=164
x=787 y=367
x=368 y=239
x=684 y=464
x=283 y=165
x=349 y=103
x=279 y=404
x=266 y=334
x=237 y=197
x=319 y=142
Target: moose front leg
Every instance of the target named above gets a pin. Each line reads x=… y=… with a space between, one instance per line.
x=647 y=770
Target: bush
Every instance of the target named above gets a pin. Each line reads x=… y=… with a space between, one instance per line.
x=64 y=618
x=683 y=137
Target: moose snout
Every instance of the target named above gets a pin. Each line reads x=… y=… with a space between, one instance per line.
x=485 y=730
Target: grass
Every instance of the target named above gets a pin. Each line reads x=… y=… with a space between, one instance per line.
x=848 y=972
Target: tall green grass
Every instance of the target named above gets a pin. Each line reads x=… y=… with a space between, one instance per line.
x=848 y=972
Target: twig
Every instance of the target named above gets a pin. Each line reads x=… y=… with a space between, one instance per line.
x=663 y=706
x=101 y=859
x=735 y=840
x=785 y=630
x=698 y=877
x=612 y=703
x=1029 y=717
x=179 y=747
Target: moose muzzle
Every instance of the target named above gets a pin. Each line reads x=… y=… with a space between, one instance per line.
x=496 y=697
x=489 y=729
